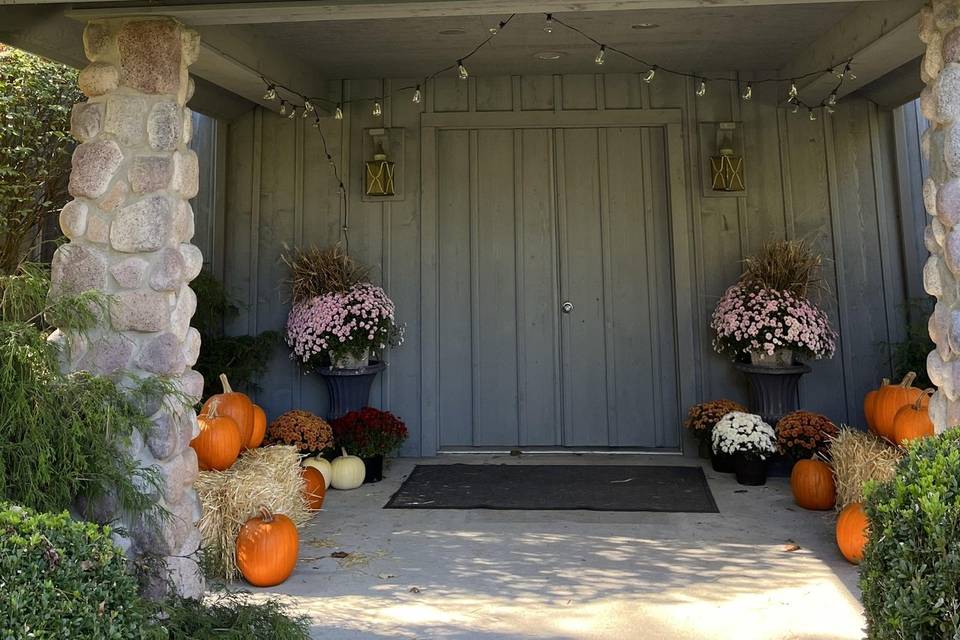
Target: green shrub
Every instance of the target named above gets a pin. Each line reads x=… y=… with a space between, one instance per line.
x=64 y=579
x=229 y=616
x=910 y=574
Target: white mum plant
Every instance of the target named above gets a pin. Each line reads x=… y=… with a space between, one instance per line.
x=739 y=432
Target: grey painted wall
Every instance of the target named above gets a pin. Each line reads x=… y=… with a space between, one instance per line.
x=833 y=181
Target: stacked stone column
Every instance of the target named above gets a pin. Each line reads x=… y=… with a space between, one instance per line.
x=129 y=226
x=940 y=103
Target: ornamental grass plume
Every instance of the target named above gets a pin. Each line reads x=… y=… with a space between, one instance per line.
x=316 y=272
x=802 y=434
x=785 y=265
x=701 y=418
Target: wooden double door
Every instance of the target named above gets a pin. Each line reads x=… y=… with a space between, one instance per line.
x=556 y=322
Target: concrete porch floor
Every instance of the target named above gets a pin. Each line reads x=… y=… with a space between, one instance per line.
x=573 y=574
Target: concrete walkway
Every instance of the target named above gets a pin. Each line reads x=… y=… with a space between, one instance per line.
x=573 y=574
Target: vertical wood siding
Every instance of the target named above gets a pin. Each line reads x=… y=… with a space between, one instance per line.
x=833 y=181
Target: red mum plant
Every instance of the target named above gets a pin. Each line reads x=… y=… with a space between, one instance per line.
x=369 y=432
x=802 y=434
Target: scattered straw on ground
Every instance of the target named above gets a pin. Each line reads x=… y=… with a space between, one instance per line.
x=857 y=458
x=268 y=476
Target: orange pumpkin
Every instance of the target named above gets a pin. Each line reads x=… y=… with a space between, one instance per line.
x=813 y=486
x=912 y=421
x=852 y=532
x=314 y=487
x=218 y=444
x=237 y=406
x=259 y=427
x=267 y=548
x=890 y=398
x=870 y=405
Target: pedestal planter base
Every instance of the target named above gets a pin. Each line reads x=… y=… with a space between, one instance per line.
x=349 y=388
x=750 y=471
x=374 y=467
x=773 y=391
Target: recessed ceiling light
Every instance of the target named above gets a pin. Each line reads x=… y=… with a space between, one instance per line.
x=549 y=55
x=456 y=31
x=644 y=25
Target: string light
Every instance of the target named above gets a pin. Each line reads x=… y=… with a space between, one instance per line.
x=793 y=94
x=338 y=113
x=377 y=109
x=293 y=113
x=813 y=115
x=651 y=74
x=417 y=96
x=271 y=93
x=462 y=70
x=601 y=55
x=283 y=107
x=832 y=100
x=307 y=106
x=748 y=92
x=829 y=110
x=796 y=108
x=702 y=89
x=548 y=24
x=316 y=122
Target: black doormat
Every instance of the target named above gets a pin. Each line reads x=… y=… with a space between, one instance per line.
x=555 y=487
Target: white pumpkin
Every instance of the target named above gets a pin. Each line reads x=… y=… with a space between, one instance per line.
x=347 y=471
x=323 y=466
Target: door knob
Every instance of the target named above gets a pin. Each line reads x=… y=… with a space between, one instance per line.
x=566 y=307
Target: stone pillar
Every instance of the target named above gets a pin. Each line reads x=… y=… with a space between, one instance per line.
x=130 y=225
x=940 y=103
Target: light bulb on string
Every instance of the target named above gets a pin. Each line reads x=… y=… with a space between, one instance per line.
x=293 y=113
x=548 y=24
x=307 y=105
x=796 y=108
x=601 y=55
x=271 y=93
x=316 y=122
x=417 y=96
x=283 y=107
x=495 y=30
x=829 y=110
x=813 y=115
x=338 y=113
x=651 y=74
x=377 y=109
x=794 y=92
x=306 y=114
x=702 y=89
x=832 y=100
x=462 y=70
x=748 y=92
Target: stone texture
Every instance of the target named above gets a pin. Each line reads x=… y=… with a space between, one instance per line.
x=98 y=228
x=191 y=347
x=150 y=173
x=930 y=196
x=142 y=226
x=951 y=46
x=186 y=173
x=125 y=118
x=165 y=438
x=86 y=120
x=192 y=261
x=98 y=41
x=933 y=58
x=162 y=355
x=165 y=126
x=94 y=164
x=947 y=92
x=168 y=271
x=115 y=196
x=75 y=269
x=951 y=148
x=73 y=219
x=185 y=307
x=187 y=123
x=109 y=354
x=139 y=311
x=129 y=273
x=183 y=222
x=98 y=79
x=191 y=385
x=150 y=56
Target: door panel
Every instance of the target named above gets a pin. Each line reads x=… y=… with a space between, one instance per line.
x=528 y=219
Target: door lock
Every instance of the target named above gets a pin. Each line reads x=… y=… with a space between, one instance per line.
x=566 y=307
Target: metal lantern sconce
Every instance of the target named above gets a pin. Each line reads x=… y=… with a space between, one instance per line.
x=379 y=175
x=726 y=169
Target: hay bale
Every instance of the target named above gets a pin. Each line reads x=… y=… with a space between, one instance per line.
x=858 y=457
x=267 y=476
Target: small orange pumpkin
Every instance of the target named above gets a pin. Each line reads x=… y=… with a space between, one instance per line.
x=890 y=398
x=267 y=549
x=314 y=487
x=259 y=427
x=870 y=405
x=813 y=486
x=237 y=406
x=913 y=421
x=218 y=444
x=852 y=532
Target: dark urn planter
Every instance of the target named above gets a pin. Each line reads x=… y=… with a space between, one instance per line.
x=750 y=470
x=773 y=390
x=722 y=462
x=374 y=469
x=703 y=448
x=781 y=465
x=349 y=388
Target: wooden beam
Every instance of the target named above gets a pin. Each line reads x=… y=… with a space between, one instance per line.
x=323 y=10
x=878 y=38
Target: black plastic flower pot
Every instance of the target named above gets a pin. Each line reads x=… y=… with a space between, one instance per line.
x=750 y=470
x=722 y=462
x=374 y=469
